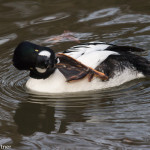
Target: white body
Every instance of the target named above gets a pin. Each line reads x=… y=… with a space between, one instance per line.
x=92 y=57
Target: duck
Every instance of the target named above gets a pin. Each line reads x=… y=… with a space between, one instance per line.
x=84 y=67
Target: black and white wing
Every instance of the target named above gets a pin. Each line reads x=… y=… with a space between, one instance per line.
x=109 y=58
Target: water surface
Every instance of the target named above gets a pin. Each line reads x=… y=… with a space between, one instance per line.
x=116 y=118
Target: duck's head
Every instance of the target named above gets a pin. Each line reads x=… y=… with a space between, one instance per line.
x=39 y=60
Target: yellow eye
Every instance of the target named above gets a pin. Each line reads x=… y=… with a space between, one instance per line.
x=36 y=50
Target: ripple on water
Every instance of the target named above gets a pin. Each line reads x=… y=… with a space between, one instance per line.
x=110 y=113
x=12 y=86
x=137 y=41
x=50 y=18
x=73 y=120
x=118 y=32
x=128 y=18
x=100 y=14
x=7 y=38
x=41 y=20
x=143 y=30
x=114 y=118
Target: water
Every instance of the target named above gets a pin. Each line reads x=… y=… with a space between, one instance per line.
x=116 y=118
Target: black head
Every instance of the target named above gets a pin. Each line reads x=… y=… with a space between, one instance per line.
x=38 y=59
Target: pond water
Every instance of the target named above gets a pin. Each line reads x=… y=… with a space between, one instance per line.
x=116 y=118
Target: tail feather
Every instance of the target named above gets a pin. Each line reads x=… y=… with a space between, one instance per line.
x=115 y=63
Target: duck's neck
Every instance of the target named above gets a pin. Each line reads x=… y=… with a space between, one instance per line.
x=38 y=73
x=34 y=73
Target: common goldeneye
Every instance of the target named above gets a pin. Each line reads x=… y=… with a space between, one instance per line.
x=89 y=66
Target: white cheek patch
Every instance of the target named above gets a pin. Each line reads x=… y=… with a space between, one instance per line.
x=45 y=53
x=40 y=70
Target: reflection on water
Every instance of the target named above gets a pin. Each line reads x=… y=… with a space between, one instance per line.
x=31 y=118
x=116 y=118
x=113 y=117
